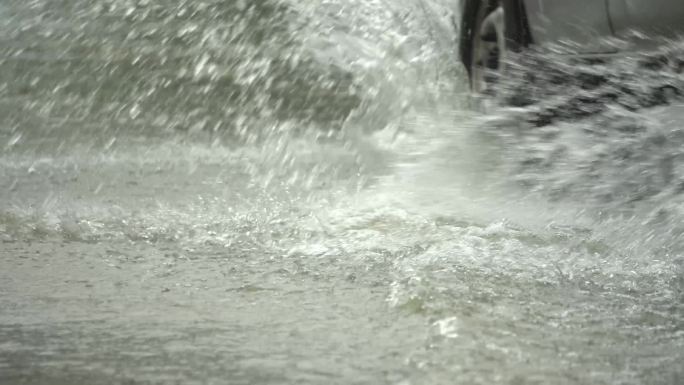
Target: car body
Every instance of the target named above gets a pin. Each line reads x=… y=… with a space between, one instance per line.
x=586 y=22
x=580 y=26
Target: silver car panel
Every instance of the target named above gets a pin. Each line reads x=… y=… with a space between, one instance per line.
x=653 y=17
x=582 y=23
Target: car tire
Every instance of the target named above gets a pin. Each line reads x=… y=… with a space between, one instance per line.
x=490 y=31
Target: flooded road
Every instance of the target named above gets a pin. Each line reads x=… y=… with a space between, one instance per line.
x=216 y=192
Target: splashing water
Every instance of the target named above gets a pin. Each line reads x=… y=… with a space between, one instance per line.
x=298 y=192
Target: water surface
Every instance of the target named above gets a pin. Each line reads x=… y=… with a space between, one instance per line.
x=215 y=192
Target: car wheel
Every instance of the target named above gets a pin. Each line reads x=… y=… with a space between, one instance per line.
x=492 y=29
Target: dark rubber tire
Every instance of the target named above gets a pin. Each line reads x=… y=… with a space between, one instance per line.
x=475 y=11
